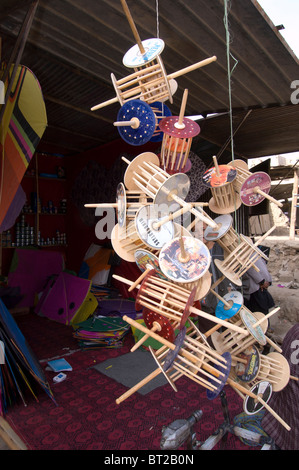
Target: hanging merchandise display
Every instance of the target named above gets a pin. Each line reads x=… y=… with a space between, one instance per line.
x=176 y=266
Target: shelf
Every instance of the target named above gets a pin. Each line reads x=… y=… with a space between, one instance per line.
x=43 y=213
x=49 y=178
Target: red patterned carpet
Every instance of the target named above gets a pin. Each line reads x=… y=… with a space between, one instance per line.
x=87 y=417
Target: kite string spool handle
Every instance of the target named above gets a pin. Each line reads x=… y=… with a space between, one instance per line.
x=266 y=317
x=216 y=165
x=183 y=256
x=262 y=193
x=258 y=398
x=262 y=238
x=227 y=304
x=134 y=123
x=174 y=215
x=156 y=327
x=132 y=25
x=180 y=124
x=136 y=387
x=126 y=160
x=140 y=278
x=190 y=68
x=104 y=104
x=124 y=280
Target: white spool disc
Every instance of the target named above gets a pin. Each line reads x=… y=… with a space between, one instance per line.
x=145 y=225
x=134 y=58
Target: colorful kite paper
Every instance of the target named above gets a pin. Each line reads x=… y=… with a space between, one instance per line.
x=96 y=264
x=66 y=299
x=23 y=124
x=30 y=271
x=20 y=365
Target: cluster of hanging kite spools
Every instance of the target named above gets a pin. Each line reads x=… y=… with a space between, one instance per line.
x=174 y=264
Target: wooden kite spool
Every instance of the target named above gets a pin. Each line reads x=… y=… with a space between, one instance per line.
x=177 y=140
x=126 y=241
x=234 y=342
x=173 y=301
x=144 y=174
x=157 y=299
x=252 y=188
x=220 y=181
x=149 y=84
x=225 y=235
x=274 y=368
x=207 y=367
x=256 y=367
x=240 y=260
x=126 y=205
x=149 y=81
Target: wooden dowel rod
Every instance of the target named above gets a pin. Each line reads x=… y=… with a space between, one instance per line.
x=180 y=124
x=227 y=304
x=228 y=325
x=183 y=256
x=266 y=317
x=190 y=68
x=124 y=280
x=262 y=238
x=140 y=278
x=258 y=398
x=216 y=165
x=266 y=195
x=212 y=330
x=174 y=215
x=274 y=345
x=155 y=328
x=132 y=25
x=105 y=103
x=139 y=385
x=104 y=204
x=134 y=123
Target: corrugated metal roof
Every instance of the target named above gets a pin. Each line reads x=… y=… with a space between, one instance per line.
x=75 y=45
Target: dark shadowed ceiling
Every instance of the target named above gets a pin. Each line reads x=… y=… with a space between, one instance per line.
x=73 y=46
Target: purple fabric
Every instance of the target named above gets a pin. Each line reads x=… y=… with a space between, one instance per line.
x=286 y=402
x=14 y=210
x=32 y=271
x=63 y=298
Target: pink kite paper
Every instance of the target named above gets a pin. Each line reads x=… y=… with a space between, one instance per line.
x=66 y=299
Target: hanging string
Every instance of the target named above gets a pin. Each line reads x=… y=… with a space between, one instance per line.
x=227 y=7
x=157 y=15
x=229 y=70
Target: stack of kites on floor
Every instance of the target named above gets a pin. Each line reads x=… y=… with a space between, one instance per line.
x=106 y=328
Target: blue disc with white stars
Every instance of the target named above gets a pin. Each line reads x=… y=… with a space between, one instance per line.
x=141 y=113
